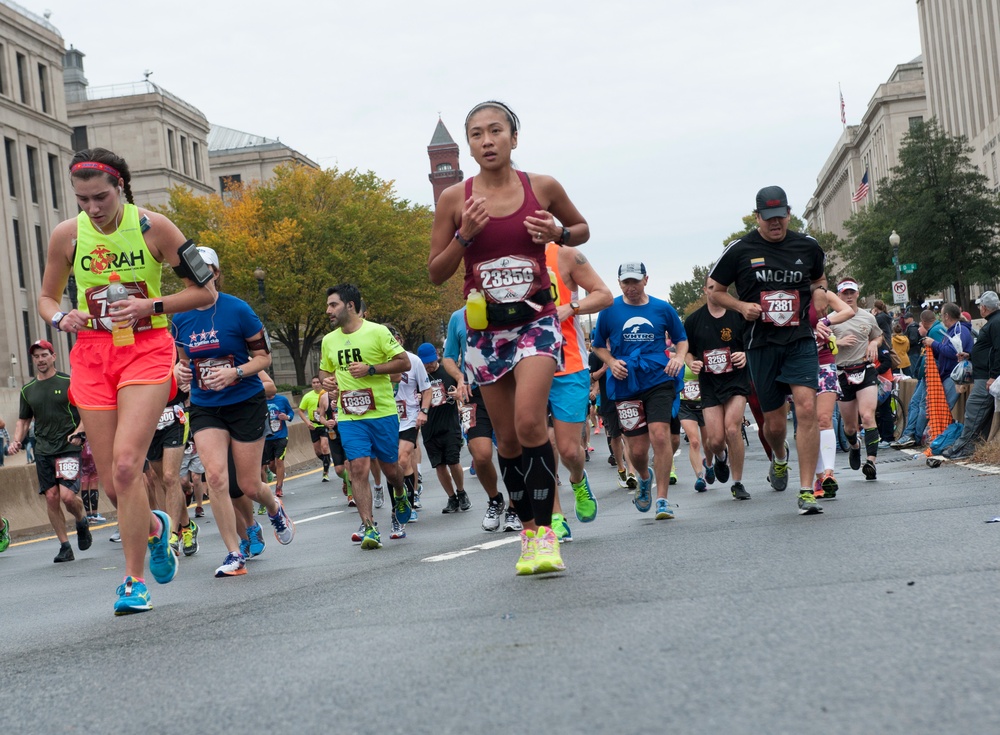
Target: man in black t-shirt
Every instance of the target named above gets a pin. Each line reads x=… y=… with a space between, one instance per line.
x=443 y=431
x=58 y=443
x=612 y=428
x=774 y=271
x=716 y=354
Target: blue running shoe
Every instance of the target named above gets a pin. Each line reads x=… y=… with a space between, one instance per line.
x=255 y=544
x=133 y=597
x=699 y=484
x=664 y=510
x=643 y=499
x=284 y=529
x=372 y=539
x=403 y=509
x=245 y=548
x=162 y=558
x=709 y=472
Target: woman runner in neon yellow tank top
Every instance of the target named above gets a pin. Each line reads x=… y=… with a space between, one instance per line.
x=125 y=386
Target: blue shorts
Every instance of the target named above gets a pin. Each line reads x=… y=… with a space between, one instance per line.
x=775 y=368
x=569 y=398
x=371 y=438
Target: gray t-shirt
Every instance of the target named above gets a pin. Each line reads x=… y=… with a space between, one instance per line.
x=864 y=328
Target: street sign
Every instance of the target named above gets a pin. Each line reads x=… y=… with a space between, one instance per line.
x=900 y=292
x=908 y=268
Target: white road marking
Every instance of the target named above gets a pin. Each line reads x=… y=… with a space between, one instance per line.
x=473 y=549
x=297 y=521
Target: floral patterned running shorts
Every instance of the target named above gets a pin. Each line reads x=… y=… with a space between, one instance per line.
x=492 y=353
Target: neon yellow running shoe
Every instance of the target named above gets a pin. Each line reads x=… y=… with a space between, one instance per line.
x=526 y=564
x=547 y=556
x=586 y=503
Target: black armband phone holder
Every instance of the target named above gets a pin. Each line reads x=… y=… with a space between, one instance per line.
x=193 y=265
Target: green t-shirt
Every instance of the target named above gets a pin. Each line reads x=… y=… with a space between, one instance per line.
x=47 y=402
x=309 y=404
x=370 y=397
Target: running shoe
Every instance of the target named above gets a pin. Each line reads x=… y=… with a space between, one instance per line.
x=612 y=461
x=65 y=554
x=807 y=503
x=189 y=536
x=586 y=503
x=511 y=522
x=472 y=470
x=278 y=491
x=818 y=488
x=413 y=516
x=284 y=529
x=255 y=541
x=133 y=597
x=350 y=502
x=398 y=530
x=233 y=566
x=622 y=479
x=402 y=508
x=270 y=475
x=721 y=468
x=561 y=528
x=463 y=500
x=904 y=442
x=326 y=477
x=116 y=537
x=379 y=497
x=358 y=536
x=673 y=475
x=98 y=518
x=778 y=473
x=261 y=510
x=830 y=486
x=739 y=492
x=452 y=506
x=547 y=556
x=699 y=485
x=84 y=538
x=854 y=457
x=372 y=539
x=415 y=501
x=175 y=542
x=643 y=499
x=4 y=534
x=869 y=470
x=664 y=510
x=162 y=559
x=632 y=482
x=709 y=472
x=526 y=562
x=245 y=547
x=494 y=510
x=199 y=512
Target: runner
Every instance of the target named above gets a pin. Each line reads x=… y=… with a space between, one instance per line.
x=220 y=351
x=59 y=435
x=412 y=404
x=718 y=357
x=693 y=424
x=775 y=271
x=90 y=492
x=631 y=339
x=858 y=341
x=498 y=223
x=191 y=477
x=443 y=431
x=165 y=455
x=569 y=398
x=317 y=429
x=327 y=413
x=618 y=457
x=280 y=413
x=357 y=359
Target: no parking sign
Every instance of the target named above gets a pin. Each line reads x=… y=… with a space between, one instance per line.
x=900 y=292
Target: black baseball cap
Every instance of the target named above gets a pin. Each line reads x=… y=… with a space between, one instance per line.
x=772 y=202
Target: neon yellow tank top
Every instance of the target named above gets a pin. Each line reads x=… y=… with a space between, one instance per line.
x=123 y=252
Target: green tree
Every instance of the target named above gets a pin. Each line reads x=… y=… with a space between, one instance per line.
x=946 y=217
x=686 y=296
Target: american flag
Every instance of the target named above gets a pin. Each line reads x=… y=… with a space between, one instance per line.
x=862 y=191
x=843 y=110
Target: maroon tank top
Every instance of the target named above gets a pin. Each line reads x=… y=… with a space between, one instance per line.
x=826 y=357
x=505 y=263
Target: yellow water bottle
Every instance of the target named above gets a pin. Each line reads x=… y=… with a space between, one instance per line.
x=475 y=310
x=121 y=332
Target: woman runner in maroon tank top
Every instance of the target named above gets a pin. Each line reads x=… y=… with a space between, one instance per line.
x=498 y=223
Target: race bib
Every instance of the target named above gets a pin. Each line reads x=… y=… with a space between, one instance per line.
x=203 y=367
x=691 y=391
x=780 y=308
x=275 y=426
x=401 y=410
x=631 y=414
x=718 y=361
x=357 y=402
x=189 y=449
x=467 y=415
x=97 y=304
x=68 y=467
x=438 y=396
x=856 y=376
x=167 y=418
x=508 y=279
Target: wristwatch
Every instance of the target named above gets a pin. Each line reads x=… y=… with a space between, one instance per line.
x=462 y=241
x=239 y=374
x=58 y=317
x=371 y=370
x=564 y=237
x=575 y=306
x=157 y=307
x=424 y=411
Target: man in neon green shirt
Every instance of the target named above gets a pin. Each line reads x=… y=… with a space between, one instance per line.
x=317 y=431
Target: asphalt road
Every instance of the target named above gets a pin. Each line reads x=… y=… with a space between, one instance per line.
x=736 y=617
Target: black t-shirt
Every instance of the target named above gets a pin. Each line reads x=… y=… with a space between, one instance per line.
x=778 y=276
x=596 y=364
x=713 y=340
x=442 y=416
x=47 y=401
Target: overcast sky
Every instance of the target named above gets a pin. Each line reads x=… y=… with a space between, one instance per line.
x=661 y=119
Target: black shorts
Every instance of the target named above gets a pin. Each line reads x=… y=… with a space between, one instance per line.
x=168 y=436
x=483 y=426
x=658 y=408
x=45 y=468
x=716 y=391
x=610 y=418
x=443 y=448
x=849 y=390
x=274 y=449
x=245 y=421
x=775 y=368
x=691 y=411
x=409 y=435
x=316 y=433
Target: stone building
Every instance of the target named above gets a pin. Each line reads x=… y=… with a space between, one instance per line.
x=235 y=156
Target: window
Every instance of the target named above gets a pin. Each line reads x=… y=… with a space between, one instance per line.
x=20 y=255
x=22 y=76
x=8 y=151
x=184 y=155
x=916 y=121
x=993 y=158
x=170 y=149
x=444 y=167
x=3 y=70
x=79 y=140
x=33 y=173
x=196 y=155
x=26 y=320
x=43 y=86
x=227 y=182
x=54 y=180
x=41 y=250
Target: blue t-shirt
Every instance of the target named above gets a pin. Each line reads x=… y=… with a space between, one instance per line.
x=216 y=337
x=278 y=427
x=638 y=336
x=454 y=345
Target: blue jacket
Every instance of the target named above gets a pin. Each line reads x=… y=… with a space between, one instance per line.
x=944 y=351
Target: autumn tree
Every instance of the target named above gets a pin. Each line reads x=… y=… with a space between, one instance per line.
x=686 y=296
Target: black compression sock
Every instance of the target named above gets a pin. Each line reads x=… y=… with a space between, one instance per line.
x=513 y=480
x=326 y=463
x=872 y=439
x=852 y=439
x=538 y=464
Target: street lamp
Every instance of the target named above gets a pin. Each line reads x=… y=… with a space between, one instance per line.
x=259 y=275
x=894 y=241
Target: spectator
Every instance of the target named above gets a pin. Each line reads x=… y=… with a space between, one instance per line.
x=945 y=352
x=985 y=358
x=912 y=331
x=901 y=346
x=884 y=320
x=916 y=413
